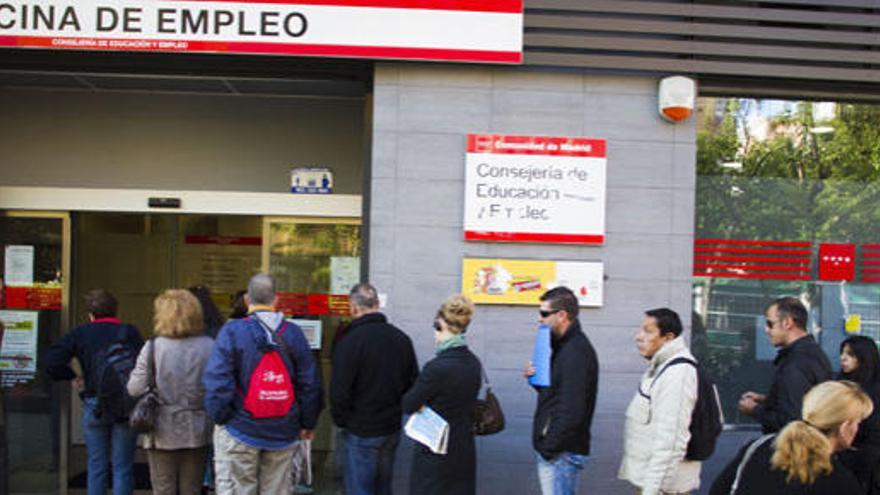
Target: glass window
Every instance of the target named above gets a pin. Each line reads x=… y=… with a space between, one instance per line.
x=787 y=203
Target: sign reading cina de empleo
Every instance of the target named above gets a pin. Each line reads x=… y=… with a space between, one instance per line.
x=488 y=31
x=535 y=189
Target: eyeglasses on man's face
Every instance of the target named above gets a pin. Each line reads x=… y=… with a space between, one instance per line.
x=437 y=327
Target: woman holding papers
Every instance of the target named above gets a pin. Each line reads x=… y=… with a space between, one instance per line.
x=448 y=385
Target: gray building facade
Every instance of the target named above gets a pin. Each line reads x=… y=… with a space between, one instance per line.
x=421 y=116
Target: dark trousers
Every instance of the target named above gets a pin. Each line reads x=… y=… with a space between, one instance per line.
x=175 y=472
x=369 y=463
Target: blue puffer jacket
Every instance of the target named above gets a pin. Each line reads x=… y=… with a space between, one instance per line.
x=236 y=353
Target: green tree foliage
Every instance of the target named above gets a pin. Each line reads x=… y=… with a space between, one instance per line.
x=798 y=179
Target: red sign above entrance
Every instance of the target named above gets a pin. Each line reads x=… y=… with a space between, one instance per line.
x=443 y=30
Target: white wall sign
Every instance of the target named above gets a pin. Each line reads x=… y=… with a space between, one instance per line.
x=317 y=180
x=454 y=30
x=535 y=189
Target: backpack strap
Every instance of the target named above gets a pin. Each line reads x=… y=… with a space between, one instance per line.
x=286 y=355
x=745 y=460
x=673 y=362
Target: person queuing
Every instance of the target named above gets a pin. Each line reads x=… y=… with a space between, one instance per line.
x=800 y=459
x=263 y=392
x=109 y=440
x=860 y=363
x=210 y=313
x=800 y=364
x=373 y=366
x=656 y=431
x=564 y=412
x=448 y=384
x=176 y=359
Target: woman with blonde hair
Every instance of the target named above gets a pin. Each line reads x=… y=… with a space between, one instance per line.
x=800 y=459
x=449 y=385
x=176 y=357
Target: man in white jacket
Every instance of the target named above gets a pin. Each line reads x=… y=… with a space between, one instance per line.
x=656 y=432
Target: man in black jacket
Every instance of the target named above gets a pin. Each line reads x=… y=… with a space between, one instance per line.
x=800 y=364
x=373 y=366
x=561 y=427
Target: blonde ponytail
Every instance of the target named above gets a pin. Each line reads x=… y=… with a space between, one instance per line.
x=803 y=452
x=803 y=448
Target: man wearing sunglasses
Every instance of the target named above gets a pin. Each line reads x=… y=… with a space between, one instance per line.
x=800 y=364
x=561 y=428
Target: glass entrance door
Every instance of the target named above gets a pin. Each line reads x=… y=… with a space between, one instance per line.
x=35 y=265
x=315 y=262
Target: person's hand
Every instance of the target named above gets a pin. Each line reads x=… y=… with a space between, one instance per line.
x=529 y=370
x=755 y=396
x=747 y=405
x=307 y=435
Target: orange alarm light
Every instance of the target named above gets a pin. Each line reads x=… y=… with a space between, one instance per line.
x=676 y=96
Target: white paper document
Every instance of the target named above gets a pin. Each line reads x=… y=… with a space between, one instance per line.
x=19 y=269
x=428 y=428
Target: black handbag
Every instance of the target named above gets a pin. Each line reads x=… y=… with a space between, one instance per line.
x=488 y=416
x=146 y=409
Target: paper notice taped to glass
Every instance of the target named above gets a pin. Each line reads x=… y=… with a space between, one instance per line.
x=428 y=428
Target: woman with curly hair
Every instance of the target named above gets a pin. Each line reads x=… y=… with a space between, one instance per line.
x=449 y=384
x=800 y=459
x=177 y=447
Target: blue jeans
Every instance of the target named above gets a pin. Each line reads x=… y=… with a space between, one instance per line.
x=369 y=463
x=106 y=444
x=560 y=476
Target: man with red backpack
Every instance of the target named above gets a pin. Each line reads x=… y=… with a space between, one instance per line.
x=263 y=392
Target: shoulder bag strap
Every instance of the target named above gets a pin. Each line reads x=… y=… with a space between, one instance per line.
x=484 y=374
x=745 y=460
x=151 y=353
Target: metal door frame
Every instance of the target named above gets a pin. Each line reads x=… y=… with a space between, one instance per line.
x=67 y=396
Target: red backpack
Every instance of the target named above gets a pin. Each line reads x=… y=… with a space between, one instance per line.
x=270 y=391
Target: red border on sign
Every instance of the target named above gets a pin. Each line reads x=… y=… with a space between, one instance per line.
x=536 y=145
x=305 y=50
x=503 y=6
x=473 y=235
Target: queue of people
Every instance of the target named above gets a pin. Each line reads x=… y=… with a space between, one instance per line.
x=250 y=388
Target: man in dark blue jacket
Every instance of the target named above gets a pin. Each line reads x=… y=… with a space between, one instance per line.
x=109 y=440
x=252 y=453
x=561 y=427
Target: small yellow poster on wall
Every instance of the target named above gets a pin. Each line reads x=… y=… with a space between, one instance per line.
x=506 y=281
x=853 y=324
